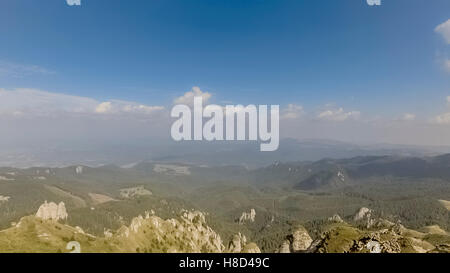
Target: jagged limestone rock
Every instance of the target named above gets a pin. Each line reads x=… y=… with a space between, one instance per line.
x=285 y=247
x=298 y=241
x=251 y=248
x=247 y=216
x=107 y=233
x=52 y=211
x=80 y=230
x=364 y=216
x=4 y=198
x=335 y=218
x=343 y=238
x=373 y=247
x=79 y=170
x=382 y=241
x=190 y=233
x=239 y=245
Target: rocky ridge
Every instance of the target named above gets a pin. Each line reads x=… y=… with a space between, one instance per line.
x=247 y=216
x=52 y=211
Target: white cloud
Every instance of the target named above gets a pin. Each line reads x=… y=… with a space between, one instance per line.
x=442 y=119
x=104 y=107
x=292 y=111
x=338 y=115
x=444 y=30
x=448 y=100
x=446 y=64
x=21 y=70
x=33 y=118
x=117 y=106
x=188 y=97
x=73 y=2
x=408 y=117
x=33 y=102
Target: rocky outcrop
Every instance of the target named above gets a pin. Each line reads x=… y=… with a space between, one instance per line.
x=4 y=198
x=363 y=213
x=298 y=241
x=343 y=238
x=383 y=241
x=52 y=211
x=190 y=233
x=79 y=170
x=285 y=247
x=251 y=248
x=107 y=233
x=364 y=217
x=239 y=245
x=247 y=217
x=335 y=219
x=4 y=178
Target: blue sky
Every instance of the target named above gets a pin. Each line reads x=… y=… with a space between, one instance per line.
x=307 y=52
x=378 y=60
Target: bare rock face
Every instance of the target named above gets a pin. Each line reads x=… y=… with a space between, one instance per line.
x=298 y=241
x=189 y=233
x=335 y=219
x=52 y=211
x=383 y=241
x=364 y=216
x=79 y=170
x=348 y=239
x=4 y=198
x=107 y=233
x=285 y=247
x=251 y=248
x=239 y=245
x=247 y=216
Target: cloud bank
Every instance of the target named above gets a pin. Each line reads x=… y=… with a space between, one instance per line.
x=34 y=102
x=444 y=30
x=338 y=115
x=31 y=116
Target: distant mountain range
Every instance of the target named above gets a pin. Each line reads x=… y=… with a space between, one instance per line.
x=199 y=153
x=332 y=173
